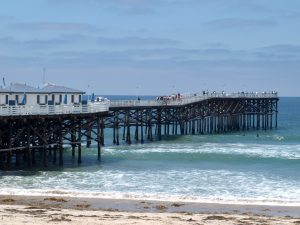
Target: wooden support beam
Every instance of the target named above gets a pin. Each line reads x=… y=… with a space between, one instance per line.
x=142 y=133
x=88 y=136
x=73 y=138
x=9 y=153
x=60 y=138
x=159 y=124
x=79 y=140
x=117 y=127
x=136 y=133
x=102 y=131
x=55 y=146
x=276 y=115
x=28 y=152
x=45 y=158
x=99 y=137
x=114 y=128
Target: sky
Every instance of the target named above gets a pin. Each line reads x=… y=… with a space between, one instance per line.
x=152 y=47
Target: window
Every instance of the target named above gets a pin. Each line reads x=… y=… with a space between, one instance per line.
x=60 y=99
x=79 y=98
x=53 y=98
x=17 y=99
x=72 y=98
x=38 y=99
x=6 y=99
x=46 y=99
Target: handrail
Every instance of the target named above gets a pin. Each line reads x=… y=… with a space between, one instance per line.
x=188 y=99
x=53 y=109
x=93 y=107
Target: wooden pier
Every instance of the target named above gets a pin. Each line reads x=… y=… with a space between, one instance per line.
x=33 y=139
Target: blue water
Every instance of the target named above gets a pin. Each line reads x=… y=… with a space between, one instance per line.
x=237 y=167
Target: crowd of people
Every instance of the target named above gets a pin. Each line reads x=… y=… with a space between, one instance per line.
x=172 y=97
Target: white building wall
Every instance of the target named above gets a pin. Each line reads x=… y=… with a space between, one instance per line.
x=44 y=99
x=31 y=99
x=2 y=99
x=12 y=97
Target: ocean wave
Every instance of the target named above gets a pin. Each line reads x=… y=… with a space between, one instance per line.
x=175 y=185
x=152 y=197
x=239 y=149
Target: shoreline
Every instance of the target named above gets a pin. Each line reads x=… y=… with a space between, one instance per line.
x=132 y=197
x=162 y=212
x=146 y=205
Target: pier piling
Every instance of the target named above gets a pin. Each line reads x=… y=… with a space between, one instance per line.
x=39 y=139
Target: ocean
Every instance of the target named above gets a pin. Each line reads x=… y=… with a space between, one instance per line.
x=258 y=167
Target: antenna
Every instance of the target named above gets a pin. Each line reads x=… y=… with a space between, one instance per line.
x=44 y=75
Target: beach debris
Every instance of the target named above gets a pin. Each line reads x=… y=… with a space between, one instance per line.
x=161 y=207
x=177 y=205
x=55 y=199
x=83 y=206
x=216 y=218
x=60 y=219
x=134 y=217
x=7 y=200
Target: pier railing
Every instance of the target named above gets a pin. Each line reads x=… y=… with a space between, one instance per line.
x=93 y=107
x=188 y=99
x=53 y=109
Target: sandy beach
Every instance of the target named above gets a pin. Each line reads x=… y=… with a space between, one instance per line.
x=70 y=210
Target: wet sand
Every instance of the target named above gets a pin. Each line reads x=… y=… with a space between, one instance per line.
x=72 y=210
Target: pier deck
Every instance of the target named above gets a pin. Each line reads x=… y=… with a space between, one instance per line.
x=37 y=136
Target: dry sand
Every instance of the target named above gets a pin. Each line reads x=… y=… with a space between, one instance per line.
x=41 y=210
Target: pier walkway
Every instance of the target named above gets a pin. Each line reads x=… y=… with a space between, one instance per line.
x=189 y=99
x=23 y=110
x=39 y=135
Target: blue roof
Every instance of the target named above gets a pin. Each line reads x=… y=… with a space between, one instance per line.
x=2 y=90
x=46 y=89
x=53 y=88
x=20 y=88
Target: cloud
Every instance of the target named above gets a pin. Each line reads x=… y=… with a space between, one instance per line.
x=136 y=41
x=33 y=44
x=278 y=52
x=78 y=27
x=174 y=57
x=122 y=7
x=135 y=57
x=237 y=23
x=283 y=48
x=68 y=40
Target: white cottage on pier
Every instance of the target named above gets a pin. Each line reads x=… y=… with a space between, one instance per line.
x=49 y=94
x=18 y=94
x=21 y=99
x=58 y=95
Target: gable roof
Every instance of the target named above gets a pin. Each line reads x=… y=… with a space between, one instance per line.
x=20 y=88
x=53 y=88
x=2 y=90
x=46 y=89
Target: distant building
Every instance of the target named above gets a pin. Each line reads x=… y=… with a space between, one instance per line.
x=18 y=94
x=48 y=94
x=58 y=95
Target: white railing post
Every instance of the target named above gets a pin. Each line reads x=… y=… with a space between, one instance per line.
x=93 y=107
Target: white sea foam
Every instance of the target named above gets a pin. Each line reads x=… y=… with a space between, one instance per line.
x=175 y=185
x=254 y=150
x=151 y=197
